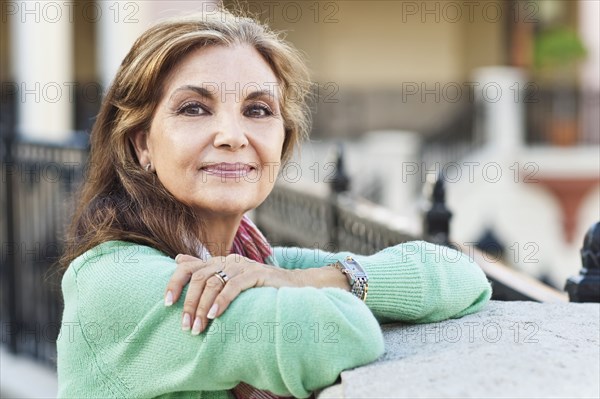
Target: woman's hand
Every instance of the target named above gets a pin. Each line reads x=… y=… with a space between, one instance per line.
x=207 y=297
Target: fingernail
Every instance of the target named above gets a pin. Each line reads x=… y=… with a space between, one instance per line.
x=197 y=326
x=185 y=324
x=177 y=257
x=169 y=298
x=212 y=311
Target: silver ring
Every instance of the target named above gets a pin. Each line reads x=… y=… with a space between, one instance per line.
x=222 y=276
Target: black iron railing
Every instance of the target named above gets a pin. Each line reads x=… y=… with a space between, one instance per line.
x=37 y=185
x=290 y=216
x=329 y=223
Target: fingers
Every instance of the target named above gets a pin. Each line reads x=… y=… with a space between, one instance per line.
x=212 y=287
x=207 y=297
x=181 y=258
x=229 y=292
x=186 y=266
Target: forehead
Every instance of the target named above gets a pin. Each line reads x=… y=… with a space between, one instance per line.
x=223 y=68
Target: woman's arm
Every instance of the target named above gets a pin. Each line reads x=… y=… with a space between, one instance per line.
x=118 y=338
x=206 y=299
x=416 y=281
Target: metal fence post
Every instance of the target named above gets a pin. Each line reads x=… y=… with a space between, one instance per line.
x=437 y=218
x=586 y=286
x=10 y=284
x=339 y=183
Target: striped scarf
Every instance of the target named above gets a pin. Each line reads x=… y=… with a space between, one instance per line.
x=250 y=242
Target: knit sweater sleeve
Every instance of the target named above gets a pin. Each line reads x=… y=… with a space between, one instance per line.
x=119 y=340
x=416 y=282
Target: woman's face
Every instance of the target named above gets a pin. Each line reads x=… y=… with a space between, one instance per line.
x=217 y=134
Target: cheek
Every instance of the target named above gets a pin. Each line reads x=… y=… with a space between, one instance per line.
x=277 y=146
x=268 y=146
x=176 y=147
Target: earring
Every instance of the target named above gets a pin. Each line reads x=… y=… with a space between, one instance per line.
x=148 y=166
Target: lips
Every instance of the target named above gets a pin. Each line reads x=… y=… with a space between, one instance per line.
x=226 y=169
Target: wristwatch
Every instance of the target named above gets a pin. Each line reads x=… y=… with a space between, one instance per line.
x=357 y=277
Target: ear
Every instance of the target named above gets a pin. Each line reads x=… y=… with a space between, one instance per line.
x=139 y=140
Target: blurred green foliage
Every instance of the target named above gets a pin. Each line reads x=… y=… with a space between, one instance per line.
x=557 y=47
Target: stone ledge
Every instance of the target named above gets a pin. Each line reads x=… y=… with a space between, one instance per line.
x=507 y=350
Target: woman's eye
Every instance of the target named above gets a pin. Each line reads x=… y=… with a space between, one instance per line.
x=191 y=109
x=258 y=111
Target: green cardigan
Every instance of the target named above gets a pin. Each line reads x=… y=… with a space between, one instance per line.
x=118 y=339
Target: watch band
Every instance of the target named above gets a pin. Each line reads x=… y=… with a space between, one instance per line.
x=357 y=277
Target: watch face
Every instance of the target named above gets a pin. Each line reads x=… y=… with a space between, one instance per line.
x=357 y=277
x=354 y=266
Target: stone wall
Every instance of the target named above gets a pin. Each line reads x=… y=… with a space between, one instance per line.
x=508 y=350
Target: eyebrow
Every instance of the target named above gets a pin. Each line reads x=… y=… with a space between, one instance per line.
x=211 y=95
x=197 y=89
x=260 y=93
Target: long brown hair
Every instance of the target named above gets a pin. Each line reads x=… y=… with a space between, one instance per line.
x=119 y=200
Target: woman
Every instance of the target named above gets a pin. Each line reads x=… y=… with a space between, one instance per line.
x=190 y=136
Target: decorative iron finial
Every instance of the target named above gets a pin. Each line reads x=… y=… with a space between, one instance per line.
x=437 y=218
x=340 y=181
x=586 y=286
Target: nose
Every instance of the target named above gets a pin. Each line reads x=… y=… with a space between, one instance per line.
x=230 y=134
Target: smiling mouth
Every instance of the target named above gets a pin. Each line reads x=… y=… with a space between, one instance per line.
x=228 y=170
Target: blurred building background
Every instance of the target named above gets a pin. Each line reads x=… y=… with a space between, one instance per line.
x=500 y=97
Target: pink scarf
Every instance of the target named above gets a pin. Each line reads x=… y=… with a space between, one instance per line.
x=250 y=242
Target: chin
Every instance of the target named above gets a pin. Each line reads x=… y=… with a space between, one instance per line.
x=227 y=200
x=227 y=207
x=229 y=210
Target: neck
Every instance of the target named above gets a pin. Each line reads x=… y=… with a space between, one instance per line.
x=220 y=232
